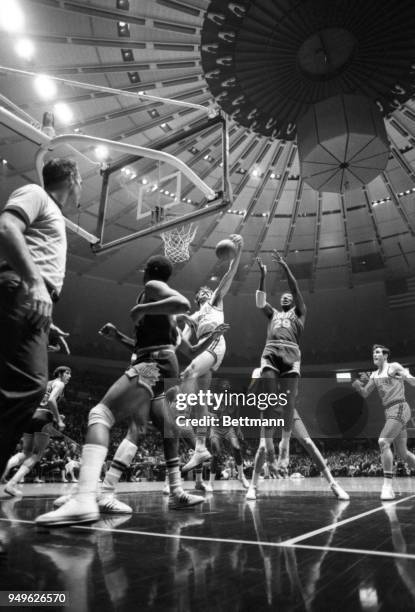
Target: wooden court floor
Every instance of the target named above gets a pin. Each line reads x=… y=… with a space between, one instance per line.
x=295 y=548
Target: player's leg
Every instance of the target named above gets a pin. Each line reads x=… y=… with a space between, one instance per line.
x=233 y=441
x=163 y=419
x=215 y=449
x=18 y=458
x=302 y=435
x=198 y=376
x=130 y=393
x=266 y=443
x=39 y=444
x=401 y=447
x=395 y=423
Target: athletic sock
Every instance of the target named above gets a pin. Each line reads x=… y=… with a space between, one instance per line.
x=14 y=461
x=199 y=474
x=387 y=479
x=92 y=459
x=21 y=473
x=122 y=459
x=200 y=442
x=173 y=471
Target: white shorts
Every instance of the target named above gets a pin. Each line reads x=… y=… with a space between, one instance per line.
x=218 y=350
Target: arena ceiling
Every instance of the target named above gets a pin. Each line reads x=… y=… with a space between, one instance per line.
x=330 y=240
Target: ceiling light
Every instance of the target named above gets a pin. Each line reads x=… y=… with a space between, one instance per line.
x=272 y=175
x=127 y=55
x=63 y=112
x=134 y=77
x=4 y=162
x=123 y=5
x=101 y=152
x=25 y=48
x=11 y=16
x=45 y=87
x=144 y=181
x=123 y=29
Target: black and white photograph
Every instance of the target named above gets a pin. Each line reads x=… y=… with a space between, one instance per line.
x=207 y=298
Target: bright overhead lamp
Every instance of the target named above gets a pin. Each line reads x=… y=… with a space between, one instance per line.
x=102 y=152
x=11 y=16
x=45 y=87
x=25 y=48
x=63 y=112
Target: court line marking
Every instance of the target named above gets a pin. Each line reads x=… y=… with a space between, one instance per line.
x=354 y=551
x=310 y=534
x=284 y=544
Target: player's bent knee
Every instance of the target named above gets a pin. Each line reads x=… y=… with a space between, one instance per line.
x=384 y=444
x=101 y=415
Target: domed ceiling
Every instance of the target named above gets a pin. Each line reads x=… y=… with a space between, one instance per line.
x=275 y=59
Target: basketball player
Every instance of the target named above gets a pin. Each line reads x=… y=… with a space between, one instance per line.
x=107 y=501
x=139 y=393
x=280 y=372
x=224 y=433
x=198 y=374
x=37 y=436
x=389 y=380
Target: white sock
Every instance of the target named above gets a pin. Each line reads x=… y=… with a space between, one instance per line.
x=200 y=443
x=93 y=457
x=14 y=461
x=122 y=459
x=21 y=473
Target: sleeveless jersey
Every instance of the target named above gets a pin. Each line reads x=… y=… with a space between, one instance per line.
x=155 y=330
x=44 y=403
x=206 y=319
x=284 y=327
x=391 y=390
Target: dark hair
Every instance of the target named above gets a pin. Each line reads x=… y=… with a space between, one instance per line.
x=202 y=288
x=384 y=349
x=61 y=370
x=158 y=267
x=57 y=170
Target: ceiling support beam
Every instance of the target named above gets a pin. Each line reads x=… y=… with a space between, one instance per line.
x=317 y=233
x=370 y=212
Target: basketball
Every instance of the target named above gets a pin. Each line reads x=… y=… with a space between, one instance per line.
x=225 y=249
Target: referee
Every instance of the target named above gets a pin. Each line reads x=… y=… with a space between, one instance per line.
x=32 y=270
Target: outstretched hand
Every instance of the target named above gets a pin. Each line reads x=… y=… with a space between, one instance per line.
x=278 y=258
x=262 y=266
x=109 y=331
x=237 y=240
x=220 y=330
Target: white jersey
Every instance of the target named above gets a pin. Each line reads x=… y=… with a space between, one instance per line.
x=206 y=319
x=391 y=389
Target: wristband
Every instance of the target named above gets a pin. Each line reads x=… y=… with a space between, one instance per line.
x=260 y=299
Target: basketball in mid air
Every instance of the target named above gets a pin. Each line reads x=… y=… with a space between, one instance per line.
x=225 y=249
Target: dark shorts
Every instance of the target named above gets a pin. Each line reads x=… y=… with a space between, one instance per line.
x=224 y=434
x=282 y=359
x=167 y=365
x=23 y=366
x=40 y=420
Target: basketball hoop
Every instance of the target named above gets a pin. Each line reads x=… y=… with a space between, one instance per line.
x=177 y=242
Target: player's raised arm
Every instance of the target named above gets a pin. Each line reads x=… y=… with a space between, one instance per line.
x=160 y=299
x=261 y=294
x=364 y=389
x=300 y=306
x=226 y=280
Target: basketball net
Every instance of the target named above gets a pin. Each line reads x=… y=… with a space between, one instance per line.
x=177 y=242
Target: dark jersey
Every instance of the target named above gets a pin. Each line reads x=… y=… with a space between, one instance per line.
x=155 y=330
x=284 y=327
